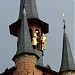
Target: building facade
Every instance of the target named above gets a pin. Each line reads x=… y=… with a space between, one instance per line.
x=31 y=43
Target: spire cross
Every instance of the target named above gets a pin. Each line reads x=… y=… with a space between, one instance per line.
x=64 y=25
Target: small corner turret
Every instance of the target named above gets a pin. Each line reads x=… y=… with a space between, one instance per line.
x=67 y=63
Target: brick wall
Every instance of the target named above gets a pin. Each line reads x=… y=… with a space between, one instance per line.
x=26 y=66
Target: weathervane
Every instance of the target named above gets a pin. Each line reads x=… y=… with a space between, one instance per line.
x=64 y=22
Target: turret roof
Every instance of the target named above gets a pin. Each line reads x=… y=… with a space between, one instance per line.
x=67 y=63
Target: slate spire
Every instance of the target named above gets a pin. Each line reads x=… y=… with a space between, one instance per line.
x=67 y=63
x=30 y=7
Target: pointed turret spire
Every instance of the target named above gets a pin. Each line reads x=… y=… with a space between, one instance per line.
x=24 y=43
x=30 y=7
x=67 y=63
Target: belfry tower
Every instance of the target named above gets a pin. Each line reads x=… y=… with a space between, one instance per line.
x=31 y=41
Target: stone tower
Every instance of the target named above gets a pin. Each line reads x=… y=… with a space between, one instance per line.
x=67 y=64
x=29 y=30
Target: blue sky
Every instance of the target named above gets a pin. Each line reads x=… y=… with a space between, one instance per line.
x=49 y=11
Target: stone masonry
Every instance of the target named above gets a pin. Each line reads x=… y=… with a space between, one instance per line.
x=26 y=66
